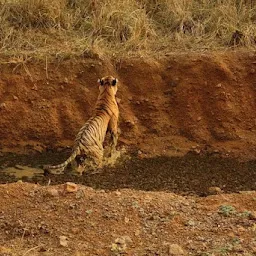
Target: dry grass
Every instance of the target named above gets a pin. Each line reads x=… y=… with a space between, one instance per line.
x=111 y=27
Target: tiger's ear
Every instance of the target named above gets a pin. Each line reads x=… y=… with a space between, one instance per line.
x=115 y=81
x=100 y=81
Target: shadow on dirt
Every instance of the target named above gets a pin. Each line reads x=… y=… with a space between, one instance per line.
x=191 y=174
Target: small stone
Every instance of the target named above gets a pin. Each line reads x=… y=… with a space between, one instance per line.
x=123 y=240
x=75 y=230
x=130 y=123
x=175 y=249
x=118 y=193
x=252 y=215
x=197 y=151
x=139 y=152
x=119 y=246
x=215 y=190
x=190 y=223
x=63 y=241
x=120 y=240
x=70 y=187
x=80 y=194
x=219 y=85
x=15 y=97
x=3 y=105
x=137 y=232
x=52 y=192
x=34 y=87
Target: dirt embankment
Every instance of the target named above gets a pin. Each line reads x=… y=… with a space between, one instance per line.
x=203 y=101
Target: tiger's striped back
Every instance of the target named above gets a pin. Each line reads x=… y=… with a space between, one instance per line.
x=89 y=140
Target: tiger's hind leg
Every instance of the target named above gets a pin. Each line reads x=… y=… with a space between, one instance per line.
x=89 y=164
x=96 y=161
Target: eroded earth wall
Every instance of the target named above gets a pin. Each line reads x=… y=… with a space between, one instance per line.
x=170 y=105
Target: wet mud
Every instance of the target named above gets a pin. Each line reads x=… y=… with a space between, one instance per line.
x=192 y=174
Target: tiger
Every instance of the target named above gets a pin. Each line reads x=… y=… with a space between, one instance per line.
x=88 y=145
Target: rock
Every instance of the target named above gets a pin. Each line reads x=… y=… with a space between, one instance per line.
x=70 y=187
x=175 y=249
x=118 y=193
x=120 y=244
x=137 y=232
x=63 y=241
x=215 y=190
x=120 y=241
x=252 y=215
x=15 y=97
x=80 y=194
x=190 y=223
x=3 y=105
x=75 y=230
x=130 y=123
x=52 y=192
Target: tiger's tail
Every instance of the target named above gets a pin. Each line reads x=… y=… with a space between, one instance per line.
x=58 y=169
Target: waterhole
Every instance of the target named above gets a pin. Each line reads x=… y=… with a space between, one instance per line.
x=191 y=174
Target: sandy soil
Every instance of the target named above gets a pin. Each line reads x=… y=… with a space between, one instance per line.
x=188 y=127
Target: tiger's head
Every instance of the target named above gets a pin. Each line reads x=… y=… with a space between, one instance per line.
x=108 y=83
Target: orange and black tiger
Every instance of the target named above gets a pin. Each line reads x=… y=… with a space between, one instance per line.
x=88 y=144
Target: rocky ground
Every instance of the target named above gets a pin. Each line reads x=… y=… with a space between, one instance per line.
x=74 y=219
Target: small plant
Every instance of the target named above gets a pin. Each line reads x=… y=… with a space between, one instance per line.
x=235 y=241
x=227 y=210
x=245 y=214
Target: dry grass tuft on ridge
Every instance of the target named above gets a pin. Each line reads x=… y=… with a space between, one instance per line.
x=124 y=27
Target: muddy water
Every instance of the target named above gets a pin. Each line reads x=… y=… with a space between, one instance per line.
x=191 y=174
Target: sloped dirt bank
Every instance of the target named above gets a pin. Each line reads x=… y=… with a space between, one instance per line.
x=200 y=102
